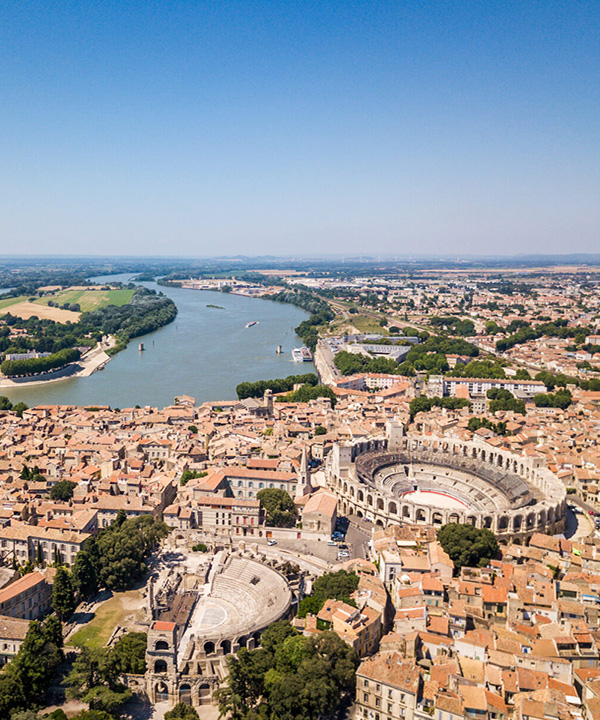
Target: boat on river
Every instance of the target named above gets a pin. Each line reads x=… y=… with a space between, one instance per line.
x=302 y=354
x=250 y=324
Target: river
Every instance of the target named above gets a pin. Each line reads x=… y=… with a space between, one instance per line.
x=204 y=353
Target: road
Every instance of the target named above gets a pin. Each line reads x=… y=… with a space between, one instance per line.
x=358 y=535
x=580 y=525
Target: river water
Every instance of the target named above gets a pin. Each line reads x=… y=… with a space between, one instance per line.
x=204 y=353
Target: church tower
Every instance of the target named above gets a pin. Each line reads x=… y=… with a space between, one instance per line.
x=303 y=487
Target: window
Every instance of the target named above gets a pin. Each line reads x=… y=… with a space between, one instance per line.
x=366 y=697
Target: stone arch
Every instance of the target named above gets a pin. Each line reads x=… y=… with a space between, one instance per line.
x=161 y=692
x=406 y=511
x=160 y=666
x=530 y=521
x=359 y=513
x=421 y=516
x=380 y=503
x=487 y=522
x=185 y=694
x=226 y=646
x=369 y=500
x=392 y=508
x=517 y=522
x=161 y=645
x=503 y=523
x=472 y=520
x=541 y=518
x=437 y=519
x=209 y=647
x=360 y=497
x=453 y=518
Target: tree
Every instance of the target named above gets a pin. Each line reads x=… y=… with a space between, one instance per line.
x=63 y=490
x=522 y=374
x=468 y=546
x=278 y=506
x=298 y=677
x=26 y=678
x=63 y=596
x=84 y=574
x=275 y=635
x=20 y=408
x=245 y=683
x=320 y=430
x=94 y=679
x=122 y=549
x=181 y=711
x=331 y=586
x=129 y=653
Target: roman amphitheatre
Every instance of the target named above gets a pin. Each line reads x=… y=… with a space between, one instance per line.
x=434 y=481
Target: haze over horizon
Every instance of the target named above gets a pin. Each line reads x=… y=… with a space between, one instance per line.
x=202 y=129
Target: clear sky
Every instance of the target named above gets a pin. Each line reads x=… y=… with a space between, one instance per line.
x=228 y=127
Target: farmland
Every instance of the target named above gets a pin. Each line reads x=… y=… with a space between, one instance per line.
x=89 y=299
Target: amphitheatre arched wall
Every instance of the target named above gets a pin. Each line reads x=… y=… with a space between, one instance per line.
x=534 y=498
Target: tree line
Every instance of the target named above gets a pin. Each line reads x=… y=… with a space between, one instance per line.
x=25 y=680
x=146 y=311
x=278 y=385
x=289 y=677
x=33 y=366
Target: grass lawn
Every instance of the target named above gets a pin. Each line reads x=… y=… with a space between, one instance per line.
x=89 y=300
x=367 y=324
x=7 y=302
x=110 y=614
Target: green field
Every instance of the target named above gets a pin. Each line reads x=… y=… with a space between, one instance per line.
x=367 y=324
x=89 y=300
x=110 y=614
x=7 y=302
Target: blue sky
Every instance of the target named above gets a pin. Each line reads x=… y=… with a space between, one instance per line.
x=211 y=128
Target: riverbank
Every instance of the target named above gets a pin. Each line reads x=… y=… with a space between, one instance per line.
x=326 y=369
x=96 y=359
x=204 y=353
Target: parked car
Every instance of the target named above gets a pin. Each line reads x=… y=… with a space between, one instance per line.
x=272 y=542
x=332 y=542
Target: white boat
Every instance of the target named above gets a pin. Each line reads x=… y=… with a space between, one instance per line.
x=253 y=322
x=302 y=354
